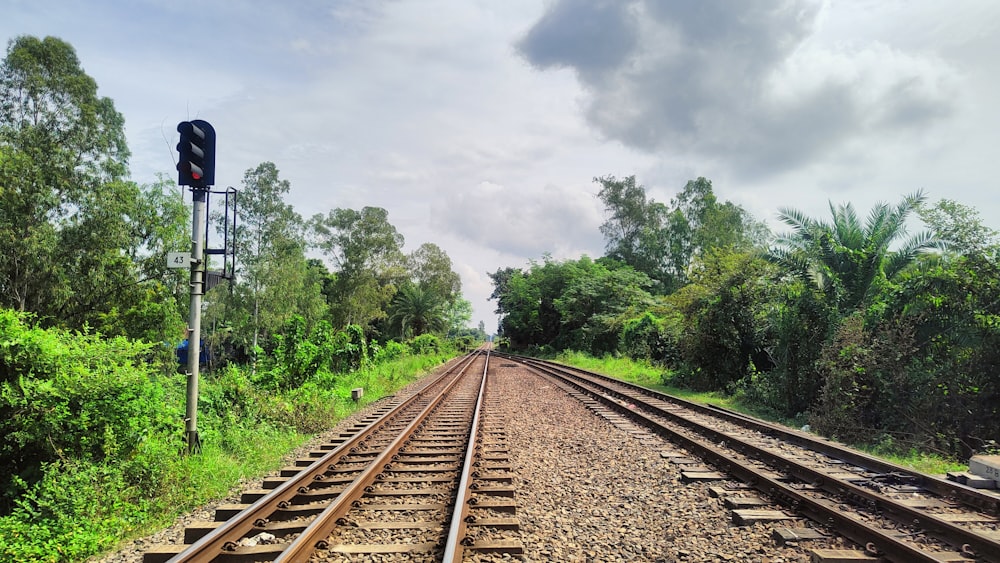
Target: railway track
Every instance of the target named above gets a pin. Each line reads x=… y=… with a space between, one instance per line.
x=426 y=478
x=888 y=510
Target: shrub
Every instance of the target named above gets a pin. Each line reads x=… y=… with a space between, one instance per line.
x=425 y=344
x=391 y=351
x=69 y=395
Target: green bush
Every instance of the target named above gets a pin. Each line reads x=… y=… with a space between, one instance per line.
x=71 y=396
x=73 y=512
x=651 y=337
x=392 y=350
x=94 y=435
x=425 y=344
x=301 y=352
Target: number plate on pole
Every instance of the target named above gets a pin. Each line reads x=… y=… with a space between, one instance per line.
x=178 y=259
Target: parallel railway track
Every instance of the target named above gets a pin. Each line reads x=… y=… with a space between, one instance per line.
x=889 y=510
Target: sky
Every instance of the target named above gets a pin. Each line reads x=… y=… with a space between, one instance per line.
x=480 y=125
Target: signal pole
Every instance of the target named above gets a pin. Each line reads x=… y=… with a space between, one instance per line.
x=194 y=316
x=195 y=168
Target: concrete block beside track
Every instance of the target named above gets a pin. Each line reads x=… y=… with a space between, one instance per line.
x=986 y=466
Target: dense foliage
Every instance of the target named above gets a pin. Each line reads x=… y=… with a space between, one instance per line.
x=869 y=334
x=92 y=430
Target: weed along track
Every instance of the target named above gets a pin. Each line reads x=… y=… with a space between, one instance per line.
x=819 y=487
x=426 y=477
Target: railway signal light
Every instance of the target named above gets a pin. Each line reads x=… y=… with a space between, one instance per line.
x=196 y=166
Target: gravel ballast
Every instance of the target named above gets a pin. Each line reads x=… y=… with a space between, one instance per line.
x=589 y=491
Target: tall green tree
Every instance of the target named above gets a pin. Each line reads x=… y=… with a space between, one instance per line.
x=501 y=279
x=698 y=223
x=726 y=308
x=849 y=260
x=458 y=315
x=663 y=241
x=273 y=278
x=430 y=267
x=75 y=234
x=368 y=262
x=634 y=231
x=573 y=304
x=960 y=226
x=591 y=305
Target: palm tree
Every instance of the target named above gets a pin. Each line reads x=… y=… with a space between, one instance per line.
x=418 y=310
x=848 y=260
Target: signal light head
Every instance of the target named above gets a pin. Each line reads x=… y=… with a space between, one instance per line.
x=196 y=166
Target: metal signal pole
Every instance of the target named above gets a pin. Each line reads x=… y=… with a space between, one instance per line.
x=194 y=328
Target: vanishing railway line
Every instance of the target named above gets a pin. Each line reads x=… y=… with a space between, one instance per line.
x=891 y=511
x=426 y=476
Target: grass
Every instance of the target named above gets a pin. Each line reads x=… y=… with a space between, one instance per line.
x=647 y=375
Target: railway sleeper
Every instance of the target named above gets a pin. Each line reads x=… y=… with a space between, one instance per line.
x=513 y=547
x=197 y=530
x=748 y=517
x=226 y=511
x=496 y=523
x=271 y=483
x=494 y=490
x=503 y=506
x=372 y=549
x=163 y=553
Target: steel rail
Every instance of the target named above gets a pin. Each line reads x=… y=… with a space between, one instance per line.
x=221 y=541
x=315 y=535
x=960 y=538
x=454 y=547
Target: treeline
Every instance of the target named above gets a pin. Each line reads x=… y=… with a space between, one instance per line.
x=91 y=401
x=83 y=246
x=868 y=334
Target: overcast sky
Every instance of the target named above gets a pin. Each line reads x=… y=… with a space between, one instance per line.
x=480 y=125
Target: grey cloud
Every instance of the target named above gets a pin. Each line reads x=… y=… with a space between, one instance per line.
x=585 y=35
x=735 y=81
x=550 y=220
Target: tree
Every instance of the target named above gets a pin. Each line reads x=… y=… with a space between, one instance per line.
x=846 y=259
x=517 y=304
x=274 y=279
x=430 y=268
x=662 y=241
x=634 y=231
x=575 y=304
x=458 y=314
x=78 y=242
x=417 y=311
x=368 y=262
x=959 y=225
x=593 y=301
x=726 y=308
